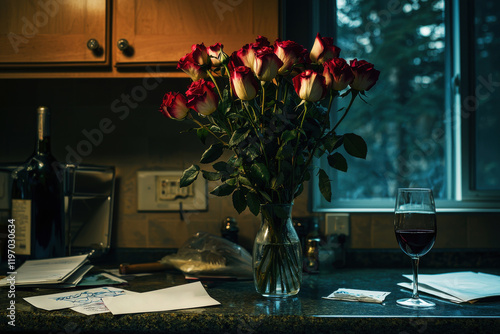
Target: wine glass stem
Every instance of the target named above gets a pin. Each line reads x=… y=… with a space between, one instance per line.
x=414 y=262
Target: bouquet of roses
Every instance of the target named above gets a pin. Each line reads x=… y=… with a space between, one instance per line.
x=264 y=104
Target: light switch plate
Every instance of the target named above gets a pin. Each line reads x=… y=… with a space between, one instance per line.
x=160 y=191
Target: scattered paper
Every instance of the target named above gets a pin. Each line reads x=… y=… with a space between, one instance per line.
x=191 y=295
x=101 y=279
x=84 y=301
x=458 y=287
x=45 y=271
x=354 y=295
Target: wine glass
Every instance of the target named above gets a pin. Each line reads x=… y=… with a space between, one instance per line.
x=415 y=228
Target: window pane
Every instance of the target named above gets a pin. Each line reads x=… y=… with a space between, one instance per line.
x=487 y=117
x=403 y=121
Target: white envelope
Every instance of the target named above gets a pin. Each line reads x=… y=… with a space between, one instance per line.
x=184 y=296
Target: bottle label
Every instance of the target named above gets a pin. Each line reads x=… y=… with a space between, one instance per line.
x=21 y=212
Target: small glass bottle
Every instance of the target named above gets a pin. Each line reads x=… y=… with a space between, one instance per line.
x=229 y=229
x=311 y=254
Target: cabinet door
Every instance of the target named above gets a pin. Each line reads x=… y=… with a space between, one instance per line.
x=163 y=31
x=53 y=32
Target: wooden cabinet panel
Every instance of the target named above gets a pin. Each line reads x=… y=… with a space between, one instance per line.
x=53 y=32
x=163 y=31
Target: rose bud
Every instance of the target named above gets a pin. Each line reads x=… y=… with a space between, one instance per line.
x=244 y=83
x=216 y=54
x=310 y=86
x=290 y=53
x=323 y=50
x=174 y=106
x=266 y=64
x=201 y=97
x=200 y=55
x=365 y=75
x=338 y=74
x=191 y=68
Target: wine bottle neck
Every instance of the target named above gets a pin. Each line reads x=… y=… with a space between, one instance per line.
x=43 y=131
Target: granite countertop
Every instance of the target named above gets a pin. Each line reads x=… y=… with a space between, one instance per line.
x=242 y=310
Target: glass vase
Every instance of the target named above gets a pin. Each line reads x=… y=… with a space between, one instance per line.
x=277 y=254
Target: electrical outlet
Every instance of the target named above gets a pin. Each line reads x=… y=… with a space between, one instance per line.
x=161 y=191
x=337 y=223
x=169 y=189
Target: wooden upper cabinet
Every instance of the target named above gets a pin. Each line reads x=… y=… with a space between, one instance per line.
x=161 y=32
x=53 y=32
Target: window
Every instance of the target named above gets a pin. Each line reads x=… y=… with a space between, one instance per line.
x=432 y=118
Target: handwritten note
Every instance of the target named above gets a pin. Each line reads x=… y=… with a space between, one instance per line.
x=85 y=301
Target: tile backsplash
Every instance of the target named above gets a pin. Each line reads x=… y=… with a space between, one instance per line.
x=115 y=122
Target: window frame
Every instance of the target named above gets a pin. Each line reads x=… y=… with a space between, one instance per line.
x=460 y=152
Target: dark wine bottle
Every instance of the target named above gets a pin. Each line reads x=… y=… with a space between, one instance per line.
x=38 y=200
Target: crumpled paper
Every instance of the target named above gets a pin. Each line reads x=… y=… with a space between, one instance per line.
x=354 y=295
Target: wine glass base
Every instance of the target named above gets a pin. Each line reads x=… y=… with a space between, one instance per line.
x=415 y=302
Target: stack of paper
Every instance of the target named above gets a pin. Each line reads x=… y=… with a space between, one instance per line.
x=459 y=287
x=61 y=271
x=120 y=301
x=354 y=295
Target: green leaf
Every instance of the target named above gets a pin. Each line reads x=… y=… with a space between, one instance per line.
x=324 y=185
x=189 y=175
x=223 y=190
x=239 y=200
x=288 y=135
x=260 y=171
x=265 y=195
x=221 y=166
x=284 y=152
x=299 y=191
x=238 y=136
x=253 y=203
x=232 y=181
x=211 y=176
x=337 y=161
x=244 y=181
x=276 y=182
x=355 y=145
x=212 y=153
x=331 y=142
x=202 y=134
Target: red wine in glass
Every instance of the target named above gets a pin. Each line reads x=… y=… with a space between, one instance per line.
x=416 y=241
x=415 y=229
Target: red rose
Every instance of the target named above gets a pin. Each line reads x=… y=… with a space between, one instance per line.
x=200 y=54
x=246 y=54
x=194 y=63
x=290 y=53
x=323 y=49
x=244 y=83
x=174 y=106
x=310 y=86
x=201 y=97
x=338 y=74
x=195 y=71
x=216 y=54
x=266 y=64
x=365 y=75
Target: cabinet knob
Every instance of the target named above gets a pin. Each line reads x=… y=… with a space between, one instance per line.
x=123 y=44
x=93 y=44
